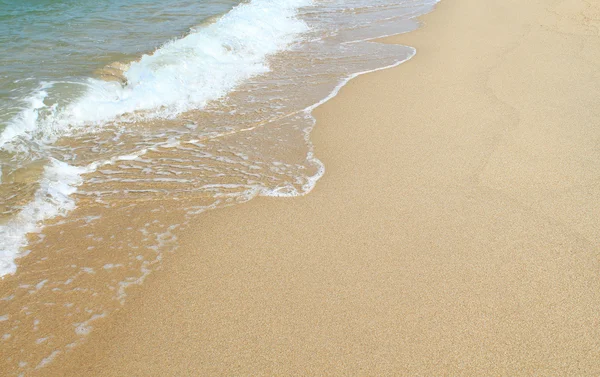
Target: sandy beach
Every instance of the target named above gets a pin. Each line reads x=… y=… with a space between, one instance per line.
x=455 y=232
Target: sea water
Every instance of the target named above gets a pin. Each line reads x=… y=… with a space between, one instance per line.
x=121 y=122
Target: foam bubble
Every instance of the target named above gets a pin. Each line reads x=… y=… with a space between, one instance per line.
x=183 y=74
x=52 y=199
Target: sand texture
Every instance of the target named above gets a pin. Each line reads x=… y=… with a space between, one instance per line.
x=456 y=230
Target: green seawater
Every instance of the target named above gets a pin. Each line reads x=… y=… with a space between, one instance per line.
x=62 y=40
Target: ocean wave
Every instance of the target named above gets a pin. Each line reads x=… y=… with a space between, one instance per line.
x=182 y=75
x=53 y=198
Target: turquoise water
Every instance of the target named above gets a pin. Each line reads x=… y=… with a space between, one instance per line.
x=47 y=40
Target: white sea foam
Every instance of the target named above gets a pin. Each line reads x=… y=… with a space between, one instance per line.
x=24 y=125
x=52 y=199
x=181 y=75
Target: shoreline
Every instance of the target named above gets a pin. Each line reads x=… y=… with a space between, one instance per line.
x=80 y=268
x=445 y=237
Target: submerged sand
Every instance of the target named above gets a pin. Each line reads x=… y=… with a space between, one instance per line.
x=456 y=230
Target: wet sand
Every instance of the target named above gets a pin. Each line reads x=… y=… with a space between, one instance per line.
x=456 y=230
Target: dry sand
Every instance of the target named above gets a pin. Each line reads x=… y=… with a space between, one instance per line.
x=456 y=231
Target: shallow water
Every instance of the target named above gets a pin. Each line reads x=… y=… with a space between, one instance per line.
x=116 y=169
x=50 y=40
